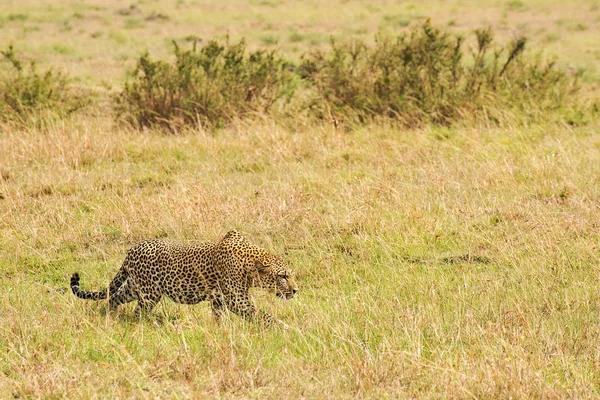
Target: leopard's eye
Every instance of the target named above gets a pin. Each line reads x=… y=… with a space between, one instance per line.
x=283 y=275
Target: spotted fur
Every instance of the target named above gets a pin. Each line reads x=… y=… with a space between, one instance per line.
x=221 y=273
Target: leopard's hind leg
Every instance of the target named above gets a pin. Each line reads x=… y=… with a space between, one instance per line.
x=146 y=298
x=145 y=305
x=125 y=294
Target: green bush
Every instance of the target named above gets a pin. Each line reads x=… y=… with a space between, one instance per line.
x=28 y=96
x=208 y=86
x=422 y=77
x=426 y=77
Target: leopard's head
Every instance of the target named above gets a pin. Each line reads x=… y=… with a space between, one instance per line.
x=275 y=275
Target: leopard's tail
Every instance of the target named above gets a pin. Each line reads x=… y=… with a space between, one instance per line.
x=116 y=283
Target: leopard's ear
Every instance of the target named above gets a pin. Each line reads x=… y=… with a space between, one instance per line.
x=260 y=267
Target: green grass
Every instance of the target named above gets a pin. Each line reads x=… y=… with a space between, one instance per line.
x=268 y=39
x=18 y=17
x=133 y=23
x=62 y=49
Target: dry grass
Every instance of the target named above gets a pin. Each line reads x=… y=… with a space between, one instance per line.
x=456 y=262
x=450 y=263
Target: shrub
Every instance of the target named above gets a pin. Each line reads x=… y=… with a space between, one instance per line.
x=27 y=96
x=425 y=77
x=210 y=86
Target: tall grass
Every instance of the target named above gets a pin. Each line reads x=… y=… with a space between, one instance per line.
x=431 y=263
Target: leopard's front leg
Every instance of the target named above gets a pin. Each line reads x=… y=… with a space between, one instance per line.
x=217 y=303
x=243 y=306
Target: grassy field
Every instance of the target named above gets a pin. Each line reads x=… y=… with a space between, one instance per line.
x=441 y=262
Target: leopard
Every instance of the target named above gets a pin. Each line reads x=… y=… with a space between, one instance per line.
x=220 y=272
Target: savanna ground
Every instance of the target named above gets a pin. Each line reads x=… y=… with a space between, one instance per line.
x=438 y=262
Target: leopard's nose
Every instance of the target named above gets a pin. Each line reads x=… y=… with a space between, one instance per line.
x=294 y=291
